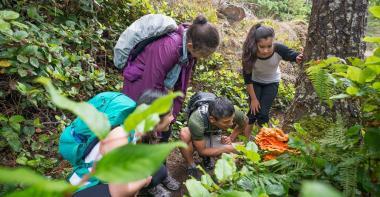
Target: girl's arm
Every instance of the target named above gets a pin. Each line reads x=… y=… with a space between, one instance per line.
x=288 y=54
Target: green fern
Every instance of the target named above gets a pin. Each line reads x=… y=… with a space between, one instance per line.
x=322 y=82
x=263 y=180
x=335 y=136
x=348 y=170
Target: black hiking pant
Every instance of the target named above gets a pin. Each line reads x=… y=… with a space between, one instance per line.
x=265 y=94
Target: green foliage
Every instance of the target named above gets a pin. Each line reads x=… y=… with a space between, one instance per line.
x=188 y=10
x=212 y=75
x=196 y=189
x=124 y=164
x=282 y=9
x=69 y=42
x=146 y=117
x=36 y=183
x=314 y=189
x=284 y=96
x=95 y=120
x=133 y=162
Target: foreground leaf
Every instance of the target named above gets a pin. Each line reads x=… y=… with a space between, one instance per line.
x=30 y=178
x=145 y=116
x=317 y=189
x=133 y=162
x=95 y=120
x=196 y=189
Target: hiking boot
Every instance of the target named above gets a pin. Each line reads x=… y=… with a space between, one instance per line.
x=171 y=183
x=194 y=172
x=208 y=163
x=159 y=191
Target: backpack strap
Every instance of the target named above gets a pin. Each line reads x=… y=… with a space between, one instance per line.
x=173 y=75
x=141 y=46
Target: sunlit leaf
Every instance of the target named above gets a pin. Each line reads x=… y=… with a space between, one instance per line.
x=133 y=162
x=8 y=15
x=196 y=189
x=317 y=189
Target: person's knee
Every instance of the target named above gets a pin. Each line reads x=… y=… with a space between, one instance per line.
x=185 y=135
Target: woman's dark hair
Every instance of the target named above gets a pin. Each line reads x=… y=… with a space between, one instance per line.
x=221 y=107
x=149 y=96
x=202 y=34
x=256 y=33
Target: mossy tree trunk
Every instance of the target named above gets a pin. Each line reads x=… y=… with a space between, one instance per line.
x=336 y=28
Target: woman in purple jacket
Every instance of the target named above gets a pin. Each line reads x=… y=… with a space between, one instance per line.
x=150 y=69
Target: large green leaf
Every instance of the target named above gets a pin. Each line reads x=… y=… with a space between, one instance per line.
x=34 y=62
x=375 y=10
x=16 y=119
x=12 y=138
x=35 y=191
x=224 y=168
x=133 y=162
x=8 y=15
x=317 y=189
x=235 y=194
x=376 y=86
x=4 y=25
x=95 y=120
x=355 y=74
x=33 y=13
x=352 y=90
x=28 y=177
x=146 y=116
x=369 y=74
x=249 y=151
x=372 y=39
x=19 y=35
x=372 y=139
x=196 y=189
x=252 y=146
x=275 y=189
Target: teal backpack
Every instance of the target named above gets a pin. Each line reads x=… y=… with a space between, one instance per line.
x=77 y=139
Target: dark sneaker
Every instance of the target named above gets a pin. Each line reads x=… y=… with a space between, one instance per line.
x=208 y=163
x=194 y=172
x=159 y=191
x=171 y=183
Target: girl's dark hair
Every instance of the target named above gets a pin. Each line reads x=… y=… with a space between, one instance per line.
x=202 y=34
x=256 y=33
x=221 y=108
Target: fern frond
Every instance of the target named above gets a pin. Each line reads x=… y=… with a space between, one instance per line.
x=322 y=82
x=348 y=170
x=263 y=180
x=335 y=136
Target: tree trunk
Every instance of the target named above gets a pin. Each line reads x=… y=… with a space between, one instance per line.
x=336 y=28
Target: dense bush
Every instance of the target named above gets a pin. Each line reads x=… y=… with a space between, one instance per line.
x=282 y=9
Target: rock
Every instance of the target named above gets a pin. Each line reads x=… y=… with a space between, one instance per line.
x=232 y=12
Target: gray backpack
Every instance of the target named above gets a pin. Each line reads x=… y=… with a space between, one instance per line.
x=139 y=34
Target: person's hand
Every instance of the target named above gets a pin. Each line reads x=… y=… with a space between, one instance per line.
x=299 y=58
x=255 y=106
x=226 y=140
x=148 y=180
x=229 y=149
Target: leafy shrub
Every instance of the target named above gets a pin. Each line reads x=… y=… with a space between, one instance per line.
x=282 y=9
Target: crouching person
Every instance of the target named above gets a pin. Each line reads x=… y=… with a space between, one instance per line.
x=82 y=149
x=203 y=133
